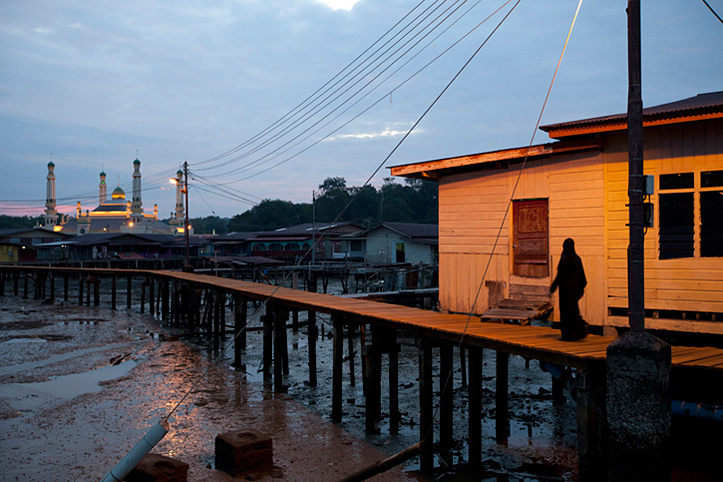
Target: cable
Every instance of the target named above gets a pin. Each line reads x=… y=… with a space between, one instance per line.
x=713 y=11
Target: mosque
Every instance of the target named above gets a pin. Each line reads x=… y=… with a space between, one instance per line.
x=114 y=215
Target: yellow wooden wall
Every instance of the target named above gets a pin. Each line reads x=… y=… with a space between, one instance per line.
x=472 y=208
x=685 y=284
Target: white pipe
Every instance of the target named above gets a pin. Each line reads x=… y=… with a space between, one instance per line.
x=149 y=440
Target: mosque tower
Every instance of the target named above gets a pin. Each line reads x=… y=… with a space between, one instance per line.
x=102 y=189
x=179 y=214
x=137 y=204
x=51 y=215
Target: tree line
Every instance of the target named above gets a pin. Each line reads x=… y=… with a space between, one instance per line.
x=415 y=201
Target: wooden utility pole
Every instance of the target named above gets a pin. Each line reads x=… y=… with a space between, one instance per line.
x=636 y=278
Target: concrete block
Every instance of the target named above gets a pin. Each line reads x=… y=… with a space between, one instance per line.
x=243 y=451
x=158 y=468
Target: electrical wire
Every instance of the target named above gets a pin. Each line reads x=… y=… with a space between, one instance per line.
x=713 y=11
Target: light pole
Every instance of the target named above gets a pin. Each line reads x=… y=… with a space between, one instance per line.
x=186 y=227
x=184 y=190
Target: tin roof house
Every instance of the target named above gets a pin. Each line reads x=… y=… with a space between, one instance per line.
x=503 y=216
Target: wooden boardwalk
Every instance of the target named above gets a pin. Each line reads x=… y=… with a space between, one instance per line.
x=528 y=341
x=177 y=296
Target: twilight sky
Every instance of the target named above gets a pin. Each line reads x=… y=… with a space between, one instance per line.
x=96 y=81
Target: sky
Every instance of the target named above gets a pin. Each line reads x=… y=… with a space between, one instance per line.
x=223 y=86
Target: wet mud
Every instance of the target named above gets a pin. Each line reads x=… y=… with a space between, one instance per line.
x=79 y=386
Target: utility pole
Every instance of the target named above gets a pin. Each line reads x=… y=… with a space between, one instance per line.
x=638 y=364
x=636 y=277
x=187 y=266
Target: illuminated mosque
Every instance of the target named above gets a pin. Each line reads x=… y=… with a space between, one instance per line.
x=114 y=215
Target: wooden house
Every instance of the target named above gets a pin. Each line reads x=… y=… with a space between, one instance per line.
x=503 y=216
x=20 y=245
x=400 y=243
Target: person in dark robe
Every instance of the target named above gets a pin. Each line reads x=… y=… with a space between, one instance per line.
x=571 y=281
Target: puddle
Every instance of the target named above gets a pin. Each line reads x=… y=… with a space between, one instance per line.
x=28 y=396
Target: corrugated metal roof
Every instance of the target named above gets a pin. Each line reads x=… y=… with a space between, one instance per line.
x=701 y=104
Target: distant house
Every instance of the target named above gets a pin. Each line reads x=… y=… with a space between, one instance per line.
x=397 y=243
x=508 y=226
x=127 y=246
x=295 y=242
x=20 y=245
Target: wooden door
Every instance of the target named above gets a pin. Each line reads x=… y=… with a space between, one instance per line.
x=530 y=240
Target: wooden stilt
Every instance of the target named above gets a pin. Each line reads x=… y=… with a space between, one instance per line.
x=113 y=292
x=26 y=278
x=268 y=342
x=143 y=296
x=463 y=366
x=279 y=341
x=164 y=300
x=313 y=335
x=239 y=329
x=394 y=414
x=151 y=296
x=216 y=324
x=475 y=408
x=502 y=420
x=350 y=339
x=128 y=292
x=446 y=387
x=15 y=283
x=589 y=400
x=338 y=362
x=96 y=291
x=52 y=287
x=66 y=286
x=426 y=407
x=2 y=283
x=81 y=282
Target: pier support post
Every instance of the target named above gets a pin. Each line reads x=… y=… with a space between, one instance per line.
x=350 y=329
x=589 y=401
x=426 y=407
x=394 y=348
x=52 y=287
x=446 y=400
x=113 y=294
x=475 y=408
x=81 y=282
x=268 y=342
x=151 y=296
x=313 y=335
x=373 y=379
x=638 y=407
x=164 y=300
x=143 y=296
x=15 y=283
x=240 y=312
x=96 y=291
x=2 y=283
x=66 y=286
x=26 y=278
x=338 y=363
x=279 y=320
x=129 y=292
x=502 y=419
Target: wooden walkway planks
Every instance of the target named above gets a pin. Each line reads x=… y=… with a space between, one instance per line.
x=530 y=341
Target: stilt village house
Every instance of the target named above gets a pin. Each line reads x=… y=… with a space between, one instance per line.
x=503 y=216
x=114 y=215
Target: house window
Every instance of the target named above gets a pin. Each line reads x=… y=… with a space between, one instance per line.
x=681 y=201
x=711 y=207
x=400 y=253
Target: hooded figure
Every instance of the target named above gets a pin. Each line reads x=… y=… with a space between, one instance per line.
x=571 y=281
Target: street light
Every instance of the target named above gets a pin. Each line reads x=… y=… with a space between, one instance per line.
x=184 y=189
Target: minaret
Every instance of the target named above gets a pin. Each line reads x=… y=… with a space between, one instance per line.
x=137 y=204
x=51 y=215
x=179 y=220
x=103 y=189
